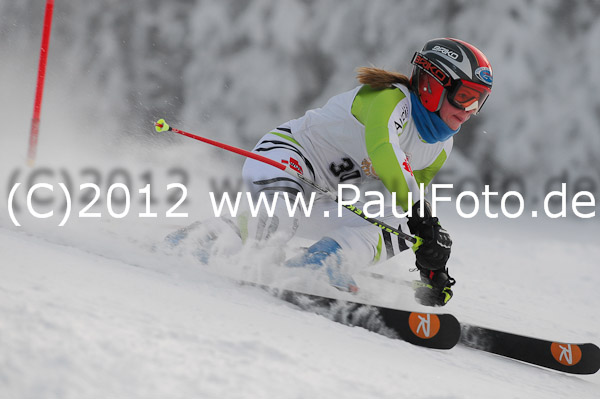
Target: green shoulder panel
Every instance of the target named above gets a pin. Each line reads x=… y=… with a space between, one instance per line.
x=376 y=105
x=373 y=108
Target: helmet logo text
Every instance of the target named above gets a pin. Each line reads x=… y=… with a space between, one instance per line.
x=445 y=51
x=428 y=66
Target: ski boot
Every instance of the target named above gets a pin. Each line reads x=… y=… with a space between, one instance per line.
x=325 y=253
x=434 y=289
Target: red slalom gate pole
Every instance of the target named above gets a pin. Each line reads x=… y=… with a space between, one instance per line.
x=39 y=92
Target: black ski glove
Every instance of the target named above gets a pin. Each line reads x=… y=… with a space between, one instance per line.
x=433 y=249
x=432 y=252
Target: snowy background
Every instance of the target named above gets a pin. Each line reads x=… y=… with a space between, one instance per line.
x=94 y=309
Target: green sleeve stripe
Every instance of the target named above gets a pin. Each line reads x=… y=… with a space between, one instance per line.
x=373 y=108
x=389 y=170
x=426 y=175
x=378 y=250
x=284 y=136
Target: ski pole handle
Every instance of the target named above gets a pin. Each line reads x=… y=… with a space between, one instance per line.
x=162 y=126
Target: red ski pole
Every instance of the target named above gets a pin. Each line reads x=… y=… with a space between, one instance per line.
x=162 y=126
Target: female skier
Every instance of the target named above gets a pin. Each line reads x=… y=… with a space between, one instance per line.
x=391 y=128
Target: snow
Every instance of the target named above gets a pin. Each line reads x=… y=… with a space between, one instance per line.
x=107 y=317
x=98 y=308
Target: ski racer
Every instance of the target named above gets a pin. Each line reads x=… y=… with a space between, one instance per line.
x=392 y=128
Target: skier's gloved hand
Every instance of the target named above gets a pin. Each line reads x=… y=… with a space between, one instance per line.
x=432 y=249
x=434 y=287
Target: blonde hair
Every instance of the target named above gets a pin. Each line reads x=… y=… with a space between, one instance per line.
x=379 y=78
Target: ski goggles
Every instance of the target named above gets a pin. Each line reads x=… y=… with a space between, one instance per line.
x=467 y=95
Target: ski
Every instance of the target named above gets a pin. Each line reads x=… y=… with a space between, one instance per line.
x=430 y=330
x=443 y=331
x=566 y=357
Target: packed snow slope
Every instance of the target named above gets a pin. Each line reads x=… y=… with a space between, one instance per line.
x=99 y=311
x=100 y=308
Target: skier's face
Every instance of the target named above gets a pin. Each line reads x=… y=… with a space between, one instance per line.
x=452 y=116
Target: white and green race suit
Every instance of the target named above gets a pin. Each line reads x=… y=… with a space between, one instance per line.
x=358 y=135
